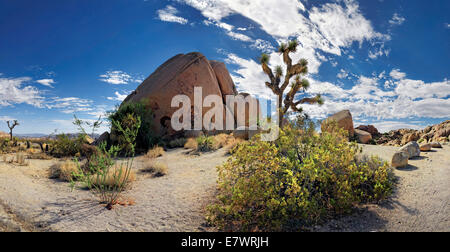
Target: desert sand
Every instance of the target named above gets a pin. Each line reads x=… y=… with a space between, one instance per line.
x=30 y=201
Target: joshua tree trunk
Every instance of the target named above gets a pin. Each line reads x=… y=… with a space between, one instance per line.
x=11 y=127
x=280 y=110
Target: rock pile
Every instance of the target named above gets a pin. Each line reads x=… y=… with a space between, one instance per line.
x=431 y=134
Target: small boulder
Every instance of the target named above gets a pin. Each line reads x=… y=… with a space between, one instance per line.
x=400 y=159
x=436 y=145
x=363 y=136
x=102 y=138
x=87 y=139
x=425 y=147
x=369 y=128
x=412 y=149
x=344 y=120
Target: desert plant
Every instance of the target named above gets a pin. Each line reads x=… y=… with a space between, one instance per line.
x=116 y=176
x=155 y=152
x=287 y=101
x=158 y=169
x=65 y=146
x=191 y=143
x=298 y=180
x=106 y=178
x=11 y=126
x=65 y=171
x=94 y=125
x=205 y=143
x=131 y=123
x=121 y=116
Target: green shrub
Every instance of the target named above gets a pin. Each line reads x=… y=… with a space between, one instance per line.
x=298 y=180
x=205 y=143
x=126 y=116
x=65 y=146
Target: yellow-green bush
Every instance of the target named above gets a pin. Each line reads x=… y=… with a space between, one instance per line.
x=205 y=143
x=295 y=181
x=67 y=146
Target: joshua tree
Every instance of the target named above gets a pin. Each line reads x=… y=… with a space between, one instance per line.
x=11 y=127
x=286 y=102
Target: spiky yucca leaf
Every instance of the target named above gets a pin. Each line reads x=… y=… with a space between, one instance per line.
x=282 y=48
x=320 y=100
x=293 y=45
x=303 y=62
x=264 y=59
x=279 y=71
x=305 y=84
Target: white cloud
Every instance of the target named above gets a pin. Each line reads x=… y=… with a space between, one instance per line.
x=376 y=52
x=396 y=74
x=417 y=89
x=118 y=77
x=46 y=82
x=70 y=105
x=262 y=45
x=118 y=97
x=249 y=78
x=397 y=19
x=342 y=74
x=13 y=91
x=328 y=28
x=239 y=36
x=386 y=126
x=169 y=15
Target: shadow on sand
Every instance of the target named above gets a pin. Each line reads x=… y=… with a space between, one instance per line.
x=69 y=210
x=409 y=167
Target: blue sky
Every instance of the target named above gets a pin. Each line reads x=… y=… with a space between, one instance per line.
x=386 y=61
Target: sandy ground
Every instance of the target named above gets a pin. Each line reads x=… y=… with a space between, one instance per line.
x=29 y=201
x=421 y=201
x=174 y=202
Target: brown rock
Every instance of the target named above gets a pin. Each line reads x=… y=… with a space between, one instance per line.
x=369 y=128
x=412 y=149
x=178 y=76
x=102 y=138
x=363 y=136
x=436 y=145
x=88 y=139
x=226 y=84
x=409 y=137
x=425 y=147
x=343 y=119
x=399 y=160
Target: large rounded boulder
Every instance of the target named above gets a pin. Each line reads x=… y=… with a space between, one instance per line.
x=343 y=119
x=178 y=76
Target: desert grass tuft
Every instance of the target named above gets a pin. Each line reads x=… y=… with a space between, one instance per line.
x=158 y=169
x=155 y=152
x=64 y=171
x=191 y=144
x=114 y=177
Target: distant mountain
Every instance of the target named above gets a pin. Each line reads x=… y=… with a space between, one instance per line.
x=33 y=135
x=40 y=135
